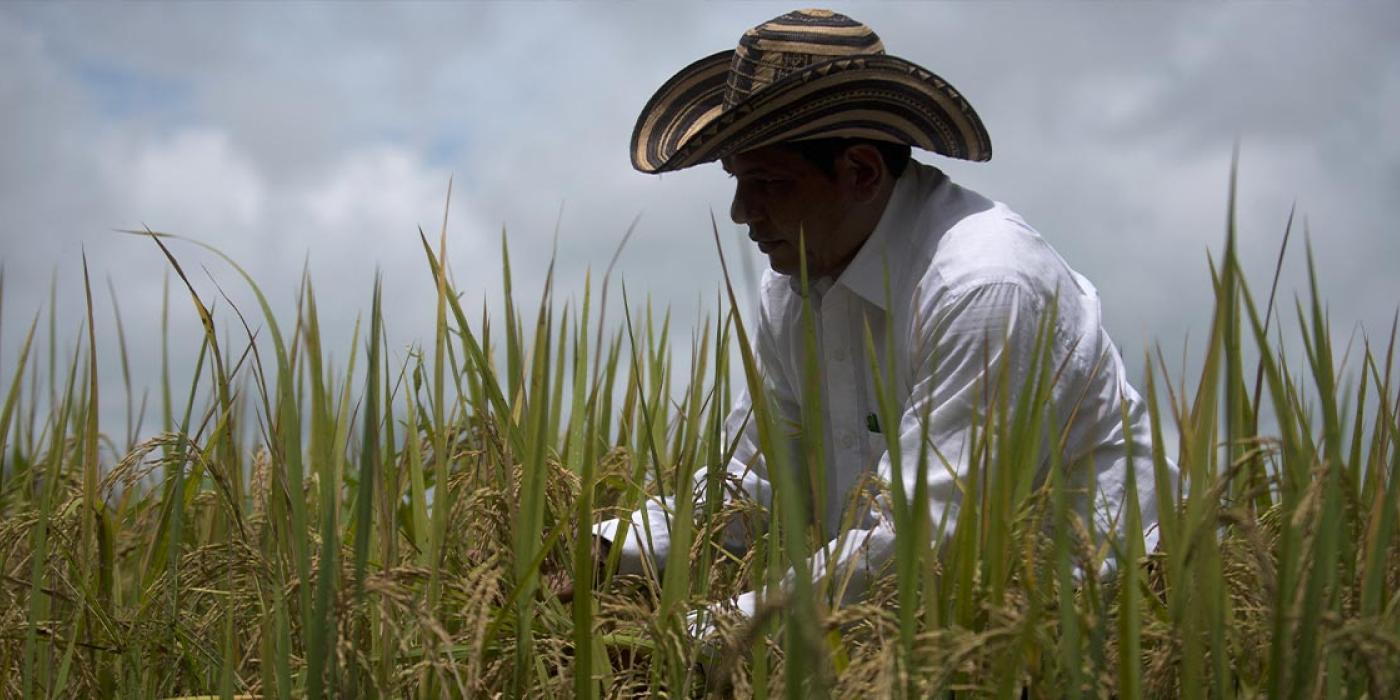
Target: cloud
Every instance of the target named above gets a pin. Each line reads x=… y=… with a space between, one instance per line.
x=194 y=180
x=375 y=189
x=323 y=136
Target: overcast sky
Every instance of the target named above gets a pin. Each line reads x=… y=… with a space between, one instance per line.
x=325 y=134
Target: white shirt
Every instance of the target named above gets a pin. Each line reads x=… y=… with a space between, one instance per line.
x=969 y=281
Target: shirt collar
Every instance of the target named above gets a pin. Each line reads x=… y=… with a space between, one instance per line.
x=866 y=274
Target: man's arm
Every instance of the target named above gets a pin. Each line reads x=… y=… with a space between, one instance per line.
x=648 y=542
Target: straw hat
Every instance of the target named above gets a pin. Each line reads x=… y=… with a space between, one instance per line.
x=805 y=75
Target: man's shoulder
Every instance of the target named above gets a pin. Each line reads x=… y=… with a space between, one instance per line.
x=958 y=237
x=993 y=244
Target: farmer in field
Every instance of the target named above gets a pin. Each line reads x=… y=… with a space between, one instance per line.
x=815 y=123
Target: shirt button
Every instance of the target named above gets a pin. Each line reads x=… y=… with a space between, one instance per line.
x=847 y=440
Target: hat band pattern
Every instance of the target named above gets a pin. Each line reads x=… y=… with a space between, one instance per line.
x=774 y=50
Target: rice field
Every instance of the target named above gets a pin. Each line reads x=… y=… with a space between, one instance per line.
x=401 y=529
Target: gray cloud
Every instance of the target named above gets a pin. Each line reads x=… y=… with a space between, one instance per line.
x=325 y=135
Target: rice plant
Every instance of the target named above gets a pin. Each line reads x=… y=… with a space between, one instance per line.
x=400 y=529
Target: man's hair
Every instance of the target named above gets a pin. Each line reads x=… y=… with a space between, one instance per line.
x=823 y=152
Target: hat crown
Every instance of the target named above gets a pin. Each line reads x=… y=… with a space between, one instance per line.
x=784 y=45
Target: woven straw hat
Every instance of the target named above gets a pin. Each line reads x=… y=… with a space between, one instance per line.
x=805 y=75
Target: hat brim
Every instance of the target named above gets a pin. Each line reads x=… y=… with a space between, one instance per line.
x=879 y=97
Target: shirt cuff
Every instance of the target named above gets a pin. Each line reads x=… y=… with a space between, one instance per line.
x=701 y=622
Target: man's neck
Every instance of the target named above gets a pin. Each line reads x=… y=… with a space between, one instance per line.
x=869 y=221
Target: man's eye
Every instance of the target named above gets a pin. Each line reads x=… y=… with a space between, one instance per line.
x=765 y=182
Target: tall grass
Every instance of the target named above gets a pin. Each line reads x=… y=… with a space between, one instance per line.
x=395 y=529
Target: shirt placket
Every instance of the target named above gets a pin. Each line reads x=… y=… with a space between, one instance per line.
x=844 y=426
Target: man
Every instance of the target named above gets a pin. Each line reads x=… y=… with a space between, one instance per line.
x=815 y=123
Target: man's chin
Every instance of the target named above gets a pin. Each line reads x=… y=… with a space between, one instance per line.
x=783 y=267
x=784 y=260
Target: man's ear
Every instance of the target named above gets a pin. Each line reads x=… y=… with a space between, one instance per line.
x=861 y=169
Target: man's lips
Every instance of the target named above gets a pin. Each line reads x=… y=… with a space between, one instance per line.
x=767 y=246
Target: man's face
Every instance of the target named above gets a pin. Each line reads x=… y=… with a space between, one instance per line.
x=780 y=196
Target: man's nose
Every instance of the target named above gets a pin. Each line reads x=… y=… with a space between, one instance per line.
x=739 y=208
